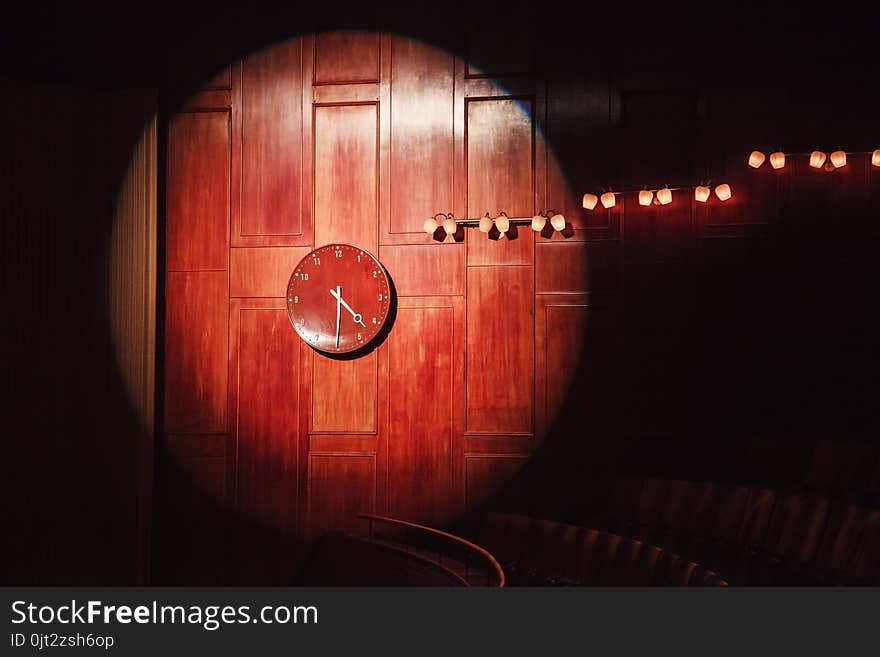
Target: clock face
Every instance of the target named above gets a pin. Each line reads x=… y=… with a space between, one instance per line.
x=338 y=298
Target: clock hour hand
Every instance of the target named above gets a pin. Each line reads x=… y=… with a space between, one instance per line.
x=358 y=319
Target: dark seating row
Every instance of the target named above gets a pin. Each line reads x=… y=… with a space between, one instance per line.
x=750 y=534
x=843 y=467
x=538 y=552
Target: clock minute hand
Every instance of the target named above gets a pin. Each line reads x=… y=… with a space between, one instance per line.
x=356 y=316
x=338 y=302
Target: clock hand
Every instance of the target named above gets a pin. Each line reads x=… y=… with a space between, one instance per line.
x=358 y=319
x=338 y=307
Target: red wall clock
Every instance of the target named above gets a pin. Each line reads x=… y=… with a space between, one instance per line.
x=338 y=298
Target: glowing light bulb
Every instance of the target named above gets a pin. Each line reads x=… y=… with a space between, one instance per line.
x=449 y=225
x=838 y=159
x=875 y=158
x=590 y=201
x=485 y=223
x=777 y=160
x=723 y=191
x=701 y=193
x=538 y=222
x=817 y=159
x=558 y=222
x=664 y=196
x=756 y=159
x=502 y=221
x=430 y=226
x=608 y=200
x=645 y=197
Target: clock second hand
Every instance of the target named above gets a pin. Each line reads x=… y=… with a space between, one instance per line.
x=357 y=316
x=338 y=307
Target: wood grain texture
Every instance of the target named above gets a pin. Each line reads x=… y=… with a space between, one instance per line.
x=562 y=266
x=323 y=443
x=267 y=373
x=500 y=357
x=346 y=57
x=346 y=175
x=486 y=476
x=196 y=322
x=340 y=487
x=560 y=327
x=425 y=269
x=500 y=176
x=421 y=134
x=344 y=395
x=271 y=141
x=262 y=271
x=197 y=222
x=421 y=353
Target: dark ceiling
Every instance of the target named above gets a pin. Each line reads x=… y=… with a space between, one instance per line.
x=119 y=44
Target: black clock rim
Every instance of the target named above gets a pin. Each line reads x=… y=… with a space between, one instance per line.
x=385 y=315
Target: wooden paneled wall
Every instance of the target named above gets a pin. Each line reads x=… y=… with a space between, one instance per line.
x=357 y=138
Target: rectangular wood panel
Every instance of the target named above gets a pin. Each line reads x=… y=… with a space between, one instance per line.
x=196 y=338
x=486 y=476
x=425 y=269
x=342 y=444
x=561 y=267
x=421 y=133
x=340 y=487
x=421 y=404
x=346 y=175
x=346 y=57
x=500 y=176
x=500 y=355
x=197 y=191
x=577 y=266
x=271 y=141
x=344 y=395
x=268 y=417
x=562 y=337
x=262 y=271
